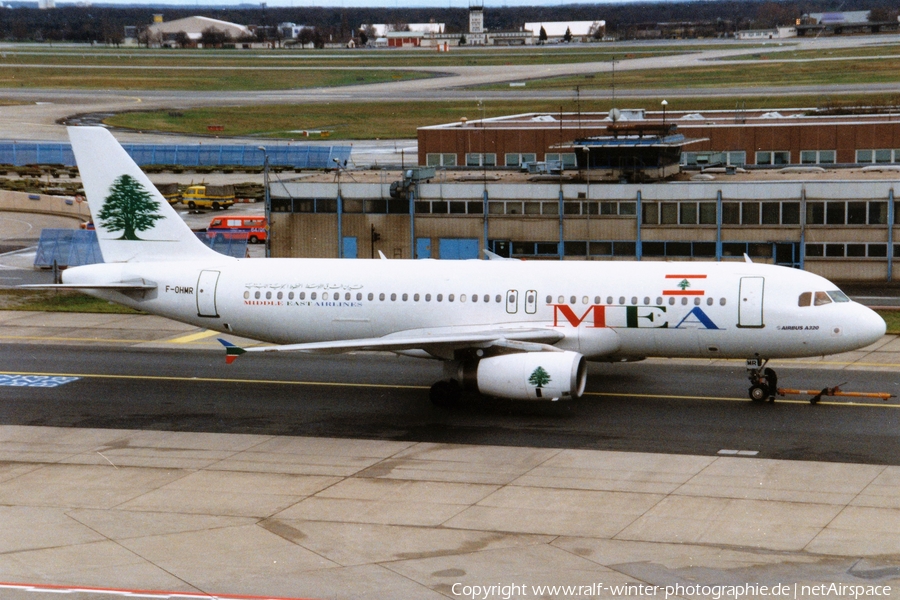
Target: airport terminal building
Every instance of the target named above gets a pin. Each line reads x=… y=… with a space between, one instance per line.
x=805 y=191
x=842 y=229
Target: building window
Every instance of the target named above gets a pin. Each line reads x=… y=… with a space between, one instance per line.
x=878 y=156
x=773 y=158
x=816 y=157
x=475 y=159
x=513 y=159
x=566 y=158
x=737 y=159
x=440 y=160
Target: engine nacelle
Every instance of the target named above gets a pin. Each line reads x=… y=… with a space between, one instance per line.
x=532 y=375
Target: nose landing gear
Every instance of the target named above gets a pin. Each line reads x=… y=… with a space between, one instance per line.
x=763 y=381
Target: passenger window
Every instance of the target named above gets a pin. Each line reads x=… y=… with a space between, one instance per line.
x=822 y=298
x=805 y=299
x=380 y=297
x=450 y=298
x=622 y=300
x=312 y=296
x=462 y=298
x=427 y=297
x=246 y=295
x=393 y=297
x=684 y=301
x=572 y=300
x=405 y=297
x=280 y=295
x=722 y=301
x=347 y=296
x=561 y=300
x=371 y=296
x=596 y=299
x=474 y=297
x=609 y=299
x=358 y=295
x=302 y=295
x=646 y=300
x=488 y=298
x=671 y=301
x=440 y=297
x=709 y=301
x=498 y=298
x=415 y=297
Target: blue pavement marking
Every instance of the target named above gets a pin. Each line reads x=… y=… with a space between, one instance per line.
x=42 y=381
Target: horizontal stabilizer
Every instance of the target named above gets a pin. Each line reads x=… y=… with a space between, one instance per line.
x=119 y=286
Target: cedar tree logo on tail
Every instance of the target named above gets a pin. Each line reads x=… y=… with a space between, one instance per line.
x=539 y=378
x=129 y=208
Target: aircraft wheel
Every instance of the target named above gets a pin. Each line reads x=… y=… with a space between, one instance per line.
x=759 y=392
x=445 y=394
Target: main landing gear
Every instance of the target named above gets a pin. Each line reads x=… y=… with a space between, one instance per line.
x=763 y=381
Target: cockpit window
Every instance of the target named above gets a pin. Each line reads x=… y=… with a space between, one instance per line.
x=805 y=299
x=822 y=298
x=838 y=296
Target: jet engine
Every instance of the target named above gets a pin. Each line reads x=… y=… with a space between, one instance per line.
x=529 y=375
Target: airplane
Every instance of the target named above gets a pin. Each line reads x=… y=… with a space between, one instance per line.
x=506 y=328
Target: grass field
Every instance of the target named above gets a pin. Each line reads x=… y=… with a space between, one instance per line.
x=721 y=74
x=58 y=301
x=399 y=120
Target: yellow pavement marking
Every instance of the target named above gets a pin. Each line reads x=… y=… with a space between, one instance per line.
x=413 y=387
x=193 y=337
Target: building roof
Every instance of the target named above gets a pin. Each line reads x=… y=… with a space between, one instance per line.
x=195 y=26
x=558 y=28
x=381 y=29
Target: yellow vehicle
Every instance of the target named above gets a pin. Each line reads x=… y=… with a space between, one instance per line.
x=169 y=192
x=208 y=196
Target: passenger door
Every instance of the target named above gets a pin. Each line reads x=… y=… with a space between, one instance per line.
x=750 y=303
x=206 y=294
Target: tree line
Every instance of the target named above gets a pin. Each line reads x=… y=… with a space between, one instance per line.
x=105 y=24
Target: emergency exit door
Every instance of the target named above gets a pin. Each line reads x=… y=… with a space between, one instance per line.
x=750 y=303
x=206 y=294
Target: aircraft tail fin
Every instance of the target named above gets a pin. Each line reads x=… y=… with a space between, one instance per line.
x=134 y=222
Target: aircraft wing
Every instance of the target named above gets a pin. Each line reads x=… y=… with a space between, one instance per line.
x=437 y=341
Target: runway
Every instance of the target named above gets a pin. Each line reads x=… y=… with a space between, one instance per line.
x=662 y=406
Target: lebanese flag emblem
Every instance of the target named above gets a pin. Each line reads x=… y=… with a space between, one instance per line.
x=684 y=285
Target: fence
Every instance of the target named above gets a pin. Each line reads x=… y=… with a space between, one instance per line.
x=193 y=155
x=76 y=247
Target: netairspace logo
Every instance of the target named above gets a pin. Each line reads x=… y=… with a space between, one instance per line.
x=639 y=590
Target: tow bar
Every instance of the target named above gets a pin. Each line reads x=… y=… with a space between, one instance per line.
x=832 y=391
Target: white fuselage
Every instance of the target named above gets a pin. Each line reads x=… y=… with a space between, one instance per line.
x=605 y=310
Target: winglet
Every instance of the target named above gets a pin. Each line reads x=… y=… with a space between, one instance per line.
x=231 y=351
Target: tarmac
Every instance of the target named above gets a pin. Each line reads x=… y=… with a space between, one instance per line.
x=121 y=513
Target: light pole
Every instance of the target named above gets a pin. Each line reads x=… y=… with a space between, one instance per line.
x=268 y=200
x=664 y=105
